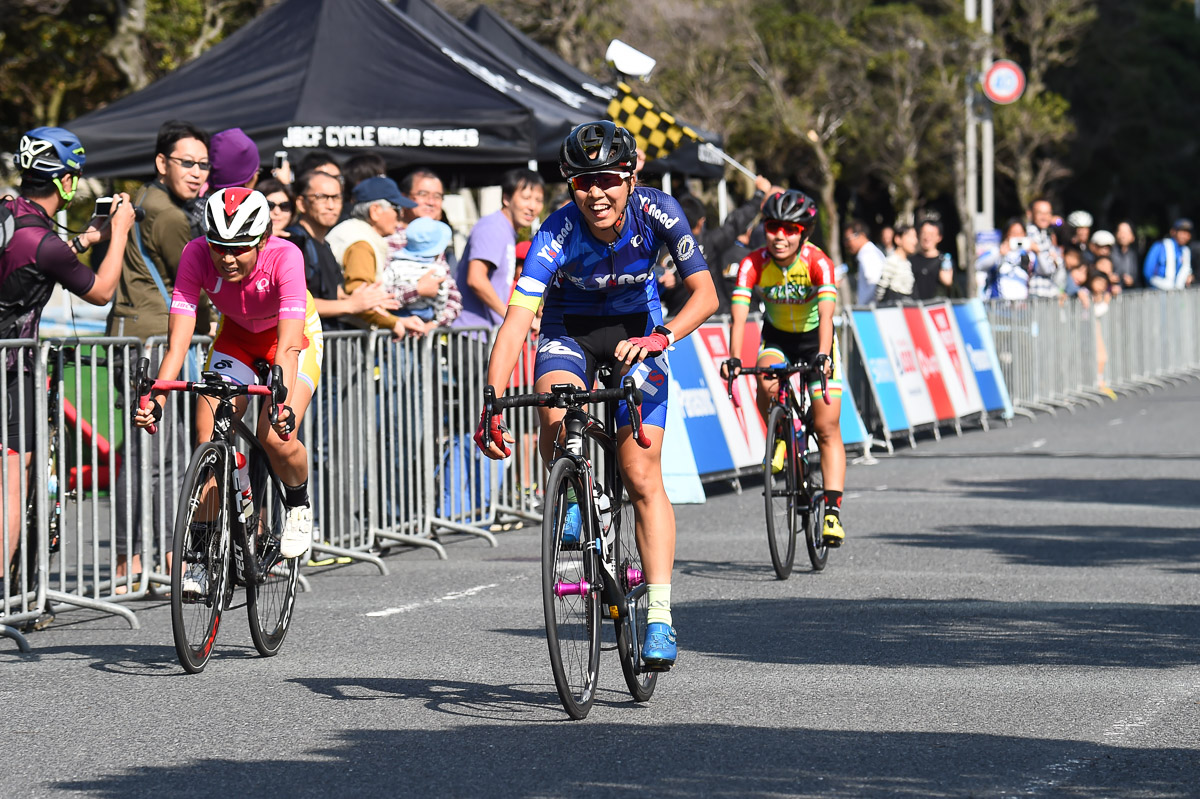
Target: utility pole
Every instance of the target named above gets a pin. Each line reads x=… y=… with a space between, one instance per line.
x=988 y=220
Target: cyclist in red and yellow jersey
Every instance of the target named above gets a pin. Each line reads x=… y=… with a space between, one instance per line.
x=797 y=284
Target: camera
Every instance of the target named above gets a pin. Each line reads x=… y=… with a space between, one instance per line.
x=1018 y=243
x=280 y=159
x=103 y=206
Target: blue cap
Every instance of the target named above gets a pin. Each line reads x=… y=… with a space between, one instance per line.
x=426 y=237
x=1183 y=223
x=380 y=188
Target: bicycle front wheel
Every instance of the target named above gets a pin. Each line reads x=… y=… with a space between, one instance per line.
x=570 y=595
x=270 y=578
x=779 y=491
x=813 y=518
x=200 y=567
x=631 y=631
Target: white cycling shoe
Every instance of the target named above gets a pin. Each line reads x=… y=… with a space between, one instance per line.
x=297 y=532
x=194 y=585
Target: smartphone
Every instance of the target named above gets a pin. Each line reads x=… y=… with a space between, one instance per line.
x=280 y=159
x=103 y=206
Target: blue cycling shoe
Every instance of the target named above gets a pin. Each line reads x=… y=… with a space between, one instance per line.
x=572 y=524
x=658 y=653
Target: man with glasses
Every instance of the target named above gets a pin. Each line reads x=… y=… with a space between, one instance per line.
x=488 y=267
x=181 y=166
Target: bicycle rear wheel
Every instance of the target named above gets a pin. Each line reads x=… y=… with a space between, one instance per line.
x=570 y=596
x=201 y=554
x=270 y=578
x=779 y=492
x=813 y=517
x=631 y=631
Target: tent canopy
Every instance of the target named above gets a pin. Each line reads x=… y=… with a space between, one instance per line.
x=343 y=75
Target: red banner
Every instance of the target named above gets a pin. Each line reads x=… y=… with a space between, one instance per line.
x=927 y=359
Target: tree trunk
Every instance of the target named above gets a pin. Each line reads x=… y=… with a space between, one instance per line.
x=125 y=47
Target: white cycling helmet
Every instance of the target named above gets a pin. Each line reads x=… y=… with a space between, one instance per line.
x=1080 y=219
x=236 y=216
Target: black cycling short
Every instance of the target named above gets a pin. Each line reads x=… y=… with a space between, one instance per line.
x=20 y=384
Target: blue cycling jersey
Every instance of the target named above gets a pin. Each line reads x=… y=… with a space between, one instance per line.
x=576 y=273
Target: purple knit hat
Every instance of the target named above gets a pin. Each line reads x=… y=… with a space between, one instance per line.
x=234 y=159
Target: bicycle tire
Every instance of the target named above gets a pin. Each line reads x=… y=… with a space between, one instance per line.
x=813 y=518
x=270 y=578
x=779 y=493
x=205 y=542
x=572 y=619
x=631 y=630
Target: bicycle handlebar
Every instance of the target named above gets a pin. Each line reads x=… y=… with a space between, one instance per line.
x=783 y=371
x=213 y=385
x=566 y=395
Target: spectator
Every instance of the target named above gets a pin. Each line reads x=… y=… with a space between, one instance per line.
x=234 y=159
x=887 y=240
x=358 y=244
x=283 y=209
x=1169 y=262
x=1101 y=246
x=425 y=189
x=1099 y=289
x=1081 y=231
x=896 y=282
x=33 y=261
x=1048 y=277
x=319 y=203
x=1077 y=272
x=140 y=310
x=422 y=254
x=933 y=270
x=870 y=260
x=1124 y=255
x=715 y=240
x=320 y=161
x=1009 y=266
x=486 y=272
x=359 y=168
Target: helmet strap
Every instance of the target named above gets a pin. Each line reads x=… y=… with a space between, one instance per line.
x=67 y=196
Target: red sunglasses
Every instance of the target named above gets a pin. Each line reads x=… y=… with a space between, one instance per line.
x=605 y=180
x=774 y=227
x=235 y=250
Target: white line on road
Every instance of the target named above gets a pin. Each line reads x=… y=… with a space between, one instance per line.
x=417 y=605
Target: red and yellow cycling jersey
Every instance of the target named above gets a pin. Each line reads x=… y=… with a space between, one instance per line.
x=791 y=294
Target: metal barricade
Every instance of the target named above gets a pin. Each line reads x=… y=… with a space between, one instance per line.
x=340 y=438
x=519 y=494
x=25 y=495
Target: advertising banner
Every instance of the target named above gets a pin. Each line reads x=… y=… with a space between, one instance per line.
x=680 y=475
x=692 y=394
x=879 y=370
x=853 y=429
x=930 y=368
x=981 y=355
x=744 y=431
x=947 y=343
x=914 y=392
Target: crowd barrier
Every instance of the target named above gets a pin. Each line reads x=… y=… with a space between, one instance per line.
x=389 y=428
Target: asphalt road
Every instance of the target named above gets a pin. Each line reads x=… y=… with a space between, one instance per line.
x=1014 y=614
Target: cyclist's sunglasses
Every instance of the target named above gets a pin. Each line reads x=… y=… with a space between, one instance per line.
x=775 y=227
x=236 y=250
x=605 y=180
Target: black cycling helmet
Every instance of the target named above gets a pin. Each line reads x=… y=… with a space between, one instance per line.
x=791 y=206
x=597 y=147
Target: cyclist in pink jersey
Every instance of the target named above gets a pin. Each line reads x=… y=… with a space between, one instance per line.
x=257 y=283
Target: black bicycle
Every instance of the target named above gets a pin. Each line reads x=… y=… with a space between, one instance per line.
x=792 y=488
x=227 y=535
x=603 y=567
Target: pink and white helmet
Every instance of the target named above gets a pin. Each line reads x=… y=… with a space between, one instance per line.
x=236 y=216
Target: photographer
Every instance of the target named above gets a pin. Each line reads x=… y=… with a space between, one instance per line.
x=1008 y=267
x=32 y=262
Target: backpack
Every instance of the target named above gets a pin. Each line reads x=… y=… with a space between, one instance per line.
x=10 y=222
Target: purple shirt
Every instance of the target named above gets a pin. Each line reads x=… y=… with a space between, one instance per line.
x=494 y=240
x=34 y=261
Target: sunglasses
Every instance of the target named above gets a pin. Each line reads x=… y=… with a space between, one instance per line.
x=285 y=206
x=188 y=163
x=775 y=227
x=605 y=180
x=236 y=250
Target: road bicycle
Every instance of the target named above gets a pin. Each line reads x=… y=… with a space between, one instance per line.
x=226 y=533
x=794 y=495
x=603 y=569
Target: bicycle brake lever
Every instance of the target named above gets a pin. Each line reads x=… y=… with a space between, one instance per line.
x=141 y=386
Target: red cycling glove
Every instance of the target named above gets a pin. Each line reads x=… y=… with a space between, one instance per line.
x=655 y=342
x=492 y=430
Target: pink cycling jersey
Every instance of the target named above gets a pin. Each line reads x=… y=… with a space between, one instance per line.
x=274 y=290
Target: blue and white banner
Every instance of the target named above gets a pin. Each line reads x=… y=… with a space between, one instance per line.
x=693 y=395
x=879 y=370
x=981 y=354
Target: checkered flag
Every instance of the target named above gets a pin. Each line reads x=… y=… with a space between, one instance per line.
x=657 y=132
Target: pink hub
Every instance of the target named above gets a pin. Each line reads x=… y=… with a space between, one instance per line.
x=571 y=589
x=634 y=577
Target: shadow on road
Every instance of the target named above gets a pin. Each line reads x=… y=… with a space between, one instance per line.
x=1166 y=492
x=595 y=758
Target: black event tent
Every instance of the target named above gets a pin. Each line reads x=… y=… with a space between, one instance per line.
x=530 y=58
x=345 y=75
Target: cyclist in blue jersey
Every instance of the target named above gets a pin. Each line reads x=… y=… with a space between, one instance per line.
x=592 y=265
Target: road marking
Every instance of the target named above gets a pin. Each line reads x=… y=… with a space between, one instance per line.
x=428 y=602
x=1115 y=422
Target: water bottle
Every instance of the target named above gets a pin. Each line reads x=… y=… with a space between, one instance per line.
x=799 y=436
x=603 y=507
x=243 y=479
